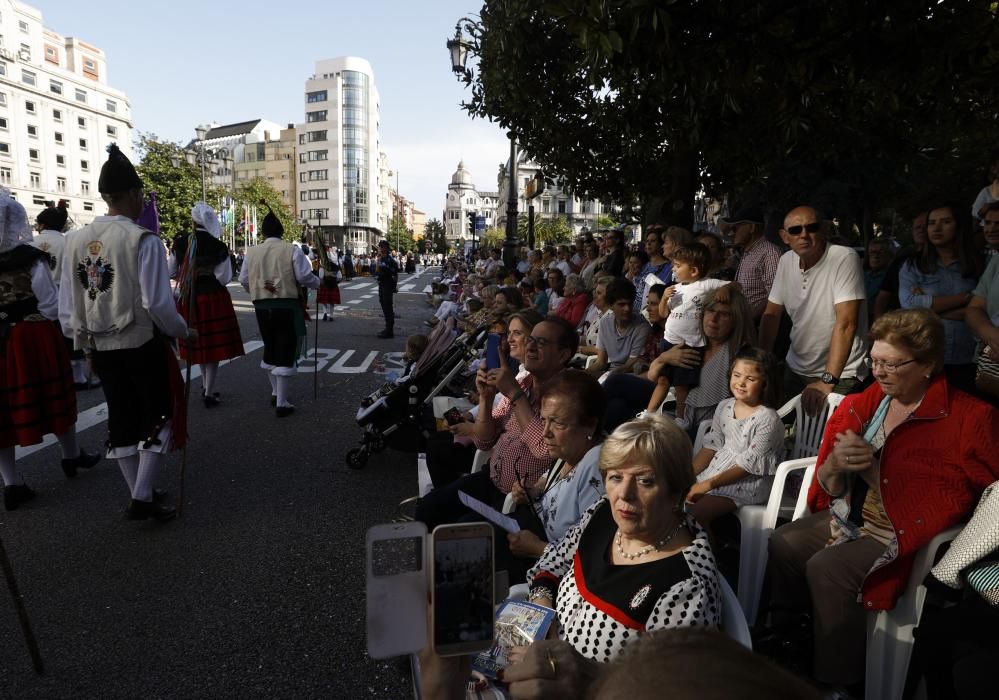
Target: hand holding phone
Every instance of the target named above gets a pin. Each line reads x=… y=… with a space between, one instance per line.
x=493 y=351
x=462 y=615
x=396 y=589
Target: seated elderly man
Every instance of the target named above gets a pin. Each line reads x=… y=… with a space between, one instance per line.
x=512 y=429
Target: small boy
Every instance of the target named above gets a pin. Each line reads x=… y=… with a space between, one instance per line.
x=682 y=306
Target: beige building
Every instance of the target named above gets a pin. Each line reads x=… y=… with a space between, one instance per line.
x=272 y=159
x=419 y=224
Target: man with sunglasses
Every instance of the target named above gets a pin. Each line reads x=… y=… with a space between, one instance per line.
x=821 y=286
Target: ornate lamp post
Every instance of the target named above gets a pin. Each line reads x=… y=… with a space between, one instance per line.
x=459 y=47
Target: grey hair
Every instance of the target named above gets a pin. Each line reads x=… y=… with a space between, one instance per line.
x=658 y=442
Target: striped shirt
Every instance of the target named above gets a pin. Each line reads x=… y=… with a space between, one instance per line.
x=756 y=273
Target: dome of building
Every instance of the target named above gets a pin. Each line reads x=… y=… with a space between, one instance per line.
x=462 y=177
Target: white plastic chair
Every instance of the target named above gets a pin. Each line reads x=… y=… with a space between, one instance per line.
x=757 y=522
x=480 y=460
x=702 y=431
x=733 y=620
x=889 y=632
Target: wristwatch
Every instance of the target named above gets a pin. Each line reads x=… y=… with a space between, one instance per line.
x=827 y=378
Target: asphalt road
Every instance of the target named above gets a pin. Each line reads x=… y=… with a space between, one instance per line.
x=258 y=591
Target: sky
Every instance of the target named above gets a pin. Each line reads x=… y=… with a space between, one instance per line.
x=185 y=63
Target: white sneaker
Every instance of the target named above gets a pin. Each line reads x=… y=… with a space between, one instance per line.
x=642 y=414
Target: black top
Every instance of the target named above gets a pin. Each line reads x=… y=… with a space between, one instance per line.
x=22 y=256
x=387 y=271
x=210 y=252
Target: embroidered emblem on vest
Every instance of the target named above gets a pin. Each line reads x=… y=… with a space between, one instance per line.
x=94 y=273
x=640 y=597
x=273 y=286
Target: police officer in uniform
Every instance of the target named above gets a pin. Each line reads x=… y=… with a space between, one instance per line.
x=387 y=272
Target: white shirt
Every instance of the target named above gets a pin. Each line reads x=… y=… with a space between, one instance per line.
x=300 y=265
x=810 y=298
x=683 y=325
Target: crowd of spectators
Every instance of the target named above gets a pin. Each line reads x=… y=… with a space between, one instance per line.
x=614 y=354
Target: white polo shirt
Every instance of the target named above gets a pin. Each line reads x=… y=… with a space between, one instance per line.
x=810 y=298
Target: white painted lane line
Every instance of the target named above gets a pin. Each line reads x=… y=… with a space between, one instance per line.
x=368 y=296
x=360 y=286
x=406 y=287
x=99 y=413
x=356 y=301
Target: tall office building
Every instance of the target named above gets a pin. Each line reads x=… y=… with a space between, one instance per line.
x=338 y=154
x=57 y=115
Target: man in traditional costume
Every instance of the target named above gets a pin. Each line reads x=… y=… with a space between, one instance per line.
x=115 y=300
x=273 y=273
x=50 y=225
x=213 y=316
x=36 y=385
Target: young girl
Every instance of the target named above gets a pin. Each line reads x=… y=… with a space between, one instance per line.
x=743 y=447
x=329 y=290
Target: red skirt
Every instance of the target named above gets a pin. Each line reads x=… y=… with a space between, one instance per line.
x=37 y=395
x=218 y=330
x=329 y=295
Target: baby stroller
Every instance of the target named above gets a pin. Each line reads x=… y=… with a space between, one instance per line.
x=394 y=415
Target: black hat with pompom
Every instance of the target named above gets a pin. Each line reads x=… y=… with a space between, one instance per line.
x=117 y=174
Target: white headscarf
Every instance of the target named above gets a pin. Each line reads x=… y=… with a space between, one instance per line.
x=206 y=218
x=14 y=228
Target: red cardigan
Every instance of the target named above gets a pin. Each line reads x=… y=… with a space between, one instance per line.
x=572 y=308
x=934 y=468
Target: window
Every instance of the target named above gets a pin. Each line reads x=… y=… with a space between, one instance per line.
x=33 y=154
x=55 y=87
x=58 y=137
x=3 y=95
x=36 y=179
x=319 y=116
x=38 y=200
x=61 y=184
x=561 y=206
x=83 y=144
x=317 y=96
x=28 y=78
x=61 y=161
x=81 y=122
x=303 y=196
x=112 y=106
x=3 y=68
x=81 y=95
x=85 y=165
x=5 y=150
x=29 y=107
x=23 y=26
x=318 y=194
x=317 y=135
x=90 y=66
x=3 y=123
x=318 y=155
x=302 y=177
x=112 y=131
x=84 y=187
x=301 y=139
x=4 y=172
x=52 y=55
x=319 y=174
x=57 y=115
x=545 y=206
x=88 y=206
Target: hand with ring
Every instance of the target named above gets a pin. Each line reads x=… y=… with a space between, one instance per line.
x=549 y=669
x=852 y=453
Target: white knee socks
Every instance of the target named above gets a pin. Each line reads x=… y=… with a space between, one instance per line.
x=273 y=381
x=282 y=390
x=328 y=309
x=209 y=371
x=149 y=466
x=67 y=442
x=7 y=470
x=129 y=469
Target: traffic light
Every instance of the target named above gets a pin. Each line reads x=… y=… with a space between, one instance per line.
x=471 y=224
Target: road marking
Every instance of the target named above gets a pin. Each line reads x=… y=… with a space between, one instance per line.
x=406 y=287
x=368 y=296
x=99 y=413
x=326 y=355
x=360 y=286
x=356 y=301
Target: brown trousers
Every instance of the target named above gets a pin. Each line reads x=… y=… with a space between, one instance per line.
x=834 y=576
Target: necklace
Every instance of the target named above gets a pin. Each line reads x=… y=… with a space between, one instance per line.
x=649 y=547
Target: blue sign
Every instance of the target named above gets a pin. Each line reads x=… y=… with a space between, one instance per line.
x=480 y=224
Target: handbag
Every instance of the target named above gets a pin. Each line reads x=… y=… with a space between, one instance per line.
x=984 y=580
x=987 y=373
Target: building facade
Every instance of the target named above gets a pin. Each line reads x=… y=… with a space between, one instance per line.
x=338 y=160
x=57 y=115
x=462 y=199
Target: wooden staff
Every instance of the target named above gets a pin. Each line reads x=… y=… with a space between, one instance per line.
x=22 y=612
x=191 y=251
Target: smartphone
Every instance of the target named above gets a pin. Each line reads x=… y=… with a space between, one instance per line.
x=463 y=596
x=453 y=416
x=493 y=351
x=396 y=589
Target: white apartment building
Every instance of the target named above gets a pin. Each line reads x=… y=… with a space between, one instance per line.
x=462 y=199
x=338 y=154
x=57 y=115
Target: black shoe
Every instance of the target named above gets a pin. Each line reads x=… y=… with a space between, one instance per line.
x=386 y=334
x=326 y=317
x=283 y=411
x=143 y=510
x=159 y=495
x=273 y=400
x=211 y=400
x=13 y=496
x=81 y=461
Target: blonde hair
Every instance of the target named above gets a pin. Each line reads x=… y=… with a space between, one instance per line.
x=657 y=441
x=920 y=331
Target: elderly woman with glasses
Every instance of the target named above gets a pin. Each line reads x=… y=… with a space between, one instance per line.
x=899 y=463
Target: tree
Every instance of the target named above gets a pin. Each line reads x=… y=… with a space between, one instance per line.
x=257 y=191
x=546 y=231
x=399 y=237
x=647 y=100
x=177 y=187
x=435 y=232
x=493 y=238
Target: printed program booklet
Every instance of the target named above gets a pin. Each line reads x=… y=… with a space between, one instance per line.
x=518 y=624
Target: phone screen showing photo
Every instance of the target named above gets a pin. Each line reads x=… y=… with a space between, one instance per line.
x=463 y=591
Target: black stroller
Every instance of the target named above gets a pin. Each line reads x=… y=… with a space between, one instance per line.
x=396 y=415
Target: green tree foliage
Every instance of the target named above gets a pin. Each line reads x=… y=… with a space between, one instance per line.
x=435 y=232
x=177 y=187
x=257 y=190
x=399 y=237
x=851 y=102
x=547 y=231
x=493 y=238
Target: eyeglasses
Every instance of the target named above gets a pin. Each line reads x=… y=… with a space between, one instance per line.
x=813 y=227
x=888 y=367
x=542 y=343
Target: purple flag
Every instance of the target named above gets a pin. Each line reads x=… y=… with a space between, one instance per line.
x=149 y=219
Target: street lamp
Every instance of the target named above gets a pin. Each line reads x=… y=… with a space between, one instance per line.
x=201 y=132
x=459 y=48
